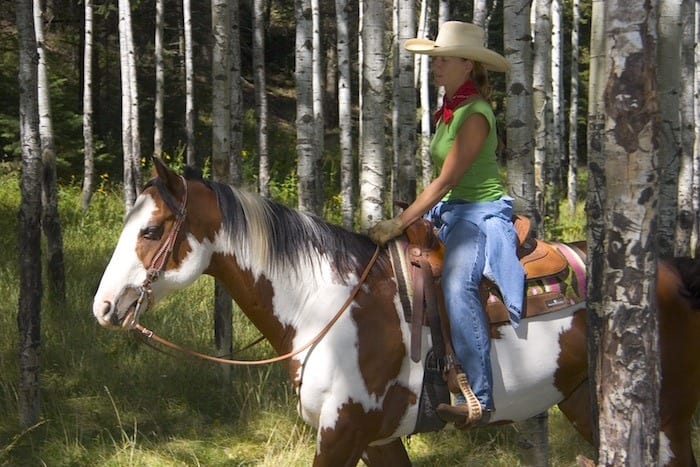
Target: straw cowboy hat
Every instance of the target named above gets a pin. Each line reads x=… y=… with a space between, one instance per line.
x=458 y=39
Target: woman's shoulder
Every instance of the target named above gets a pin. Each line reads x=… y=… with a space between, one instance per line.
x=475 y=104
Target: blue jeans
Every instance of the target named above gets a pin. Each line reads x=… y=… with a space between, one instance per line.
x=464 y=265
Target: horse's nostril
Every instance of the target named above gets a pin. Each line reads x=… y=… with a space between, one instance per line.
x=106 y=307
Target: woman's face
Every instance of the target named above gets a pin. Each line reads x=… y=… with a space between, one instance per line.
x=451 y=72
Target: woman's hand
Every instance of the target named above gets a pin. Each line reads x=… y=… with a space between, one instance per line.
x=384 y=231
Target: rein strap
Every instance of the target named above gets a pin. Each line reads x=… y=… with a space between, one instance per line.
x=140 y=331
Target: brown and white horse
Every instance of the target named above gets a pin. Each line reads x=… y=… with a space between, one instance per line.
x=290 y=273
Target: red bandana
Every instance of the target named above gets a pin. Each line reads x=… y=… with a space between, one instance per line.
x=449 y=105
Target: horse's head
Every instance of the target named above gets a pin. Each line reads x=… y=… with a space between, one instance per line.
x=165 y=245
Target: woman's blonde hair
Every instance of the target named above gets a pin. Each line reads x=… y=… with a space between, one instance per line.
x=480 y=77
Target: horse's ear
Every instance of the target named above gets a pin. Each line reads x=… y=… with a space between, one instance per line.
x=166 y=174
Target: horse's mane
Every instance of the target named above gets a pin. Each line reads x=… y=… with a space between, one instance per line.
x=276 y=236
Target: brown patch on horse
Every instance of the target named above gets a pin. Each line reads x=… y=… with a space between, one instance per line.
x=572 y=362
x=378 y=333
x=679 y=328
x=255 y=299
x=355 y=427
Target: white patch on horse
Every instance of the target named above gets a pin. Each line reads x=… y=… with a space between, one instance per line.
x=524 y=362
x=665 y=453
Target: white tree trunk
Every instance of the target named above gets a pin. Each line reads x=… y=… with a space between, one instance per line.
x=127 y=140
x=347 y=162
x=88 y=143
x=306 y=156
x=160 y=82
x=235 y=176
x=221 y=88
x=558 y=114
x=29 y=309
x=318 y=91
x=372 y=143
x=686 y=225
x=596 y=193
x=220 y=152
x=542 y=104
x=519 y=109
x=627 y=372
x=189 y=82
x=480 y=12
x=404 y=108
x=421 y=63
x=50 y=221
x=261 y=96
x=135 y=134
x=572 y=191
x=668 y=78
x=696 y=132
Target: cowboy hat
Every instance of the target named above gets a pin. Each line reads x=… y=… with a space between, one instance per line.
x=458 y=39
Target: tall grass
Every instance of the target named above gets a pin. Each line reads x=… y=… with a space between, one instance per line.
x=109 y=401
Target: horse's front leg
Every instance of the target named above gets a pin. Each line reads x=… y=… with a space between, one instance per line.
x=391 y=454
x=340 y=446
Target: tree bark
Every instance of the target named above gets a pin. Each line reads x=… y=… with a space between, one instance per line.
x=88 y=142
x=519 y=109
x=669 y=156
x=686 y=226
x=572 y=184
x=423 y=82
x=404 y=108
x=189 y=84
x=372 y=142
x=160 y=82
x=546 y=165
x=50 y=219
x=306 y=164
x=627 y=372
x=595 y=198
x=30 y=290
x=126 y=62
x=347 y=160
x=235 y=175
x=261 y=96
x=318 y=91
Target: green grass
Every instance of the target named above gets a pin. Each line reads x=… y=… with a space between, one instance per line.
x=108 y=401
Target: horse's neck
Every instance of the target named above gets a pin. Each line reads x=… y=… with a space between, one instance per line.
x=274 y=302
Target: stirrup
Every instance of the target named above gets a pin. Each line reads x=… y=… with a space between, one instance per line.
x=474 y=410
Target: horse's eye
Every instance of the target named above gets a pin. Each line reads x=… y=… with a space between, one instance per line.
x=153 y=232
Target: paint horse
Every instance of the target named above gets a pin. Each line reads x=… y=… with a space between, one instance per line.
x=291 y=273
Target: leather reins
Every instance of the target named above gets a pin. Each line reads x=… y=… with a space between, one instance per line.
x=156 y=269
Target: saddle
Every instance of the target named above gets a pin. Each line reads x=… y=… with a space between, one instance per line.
x=424 y=258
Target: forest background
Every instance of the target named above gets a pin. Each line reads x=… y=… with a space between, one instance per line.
x=178 y=421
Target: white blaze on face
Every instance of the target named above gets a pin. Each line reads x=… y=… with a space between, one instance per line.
x=125 y=267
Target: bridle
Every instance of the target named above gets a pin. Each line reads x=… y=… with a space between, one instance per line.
x=158 y=263
x=155 y=271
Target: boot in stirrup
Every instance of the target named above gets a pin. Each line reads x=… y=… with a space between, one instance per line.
x=463 y=414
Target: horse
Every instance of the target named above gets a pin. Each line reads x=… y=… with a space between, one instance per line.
x=337 y=322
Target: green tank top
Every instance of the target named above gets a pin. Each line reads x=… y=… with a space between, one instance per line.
x=481 y=182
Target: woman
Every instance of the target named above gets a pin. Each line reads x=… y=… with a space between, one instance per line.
x=468 y=204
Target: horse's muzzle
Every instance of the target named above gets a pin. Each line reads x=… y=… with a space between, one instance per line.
x=120 y=312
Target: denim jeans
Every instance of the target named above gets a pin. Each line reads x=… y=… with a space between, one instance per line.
x=464 y=265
